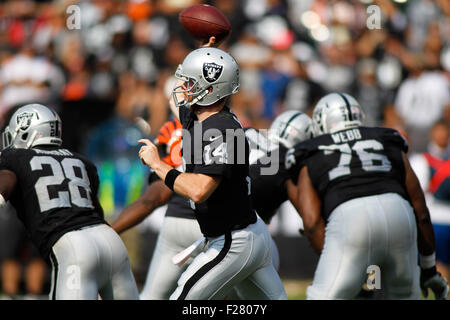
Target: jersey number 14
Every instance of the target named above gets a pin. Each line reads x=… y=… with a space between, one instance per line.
x=60 y=172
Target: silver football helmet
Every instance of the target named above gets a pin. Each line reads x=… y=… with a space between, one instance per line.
x=291 y=127
x=336 y=112
x=32 y=125
x=208 y=75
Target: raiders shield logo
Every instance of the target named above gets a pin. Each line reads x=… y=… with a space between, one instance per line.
x=212 y=71
x=24 y=120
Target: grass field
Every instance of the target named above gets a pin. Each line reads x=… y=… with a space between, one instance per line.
x=296 y=289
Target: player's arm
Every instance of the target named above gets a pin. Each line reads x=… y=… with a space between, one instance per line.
x=425 y=236
x=156 y=195
x=292 y=192
x=8 y=182
x=429 y=277
x=196 y=186
x=309 y=208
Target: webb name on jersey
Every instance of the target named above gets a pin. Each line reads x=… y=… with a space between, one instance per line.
x=350 y=164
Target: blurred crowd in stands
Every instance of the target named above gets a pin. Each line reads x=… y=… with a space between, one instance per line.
x=110 y=78
x=120 y=60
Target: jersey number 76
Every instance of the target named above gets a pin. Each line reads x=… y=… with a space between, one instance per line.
x=367 y=158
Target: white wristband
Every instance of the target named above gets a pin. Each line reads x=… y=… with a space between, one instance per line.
x=2 y=201
x=427 y=262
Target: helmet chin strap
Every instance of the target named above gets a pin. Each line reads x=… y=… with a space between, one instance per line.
x=199 y=97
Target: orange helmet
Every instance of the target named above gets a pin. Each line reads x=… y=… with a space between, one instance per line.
x=170 y=136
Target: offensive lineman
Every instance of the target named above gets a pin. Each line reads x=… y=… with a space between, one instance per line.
x=54 y=192
x=271 y=185
x=358 y=183
x=216 y=182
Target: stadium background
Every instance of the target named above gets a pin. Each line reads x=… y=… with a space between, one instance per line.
x=109 y=81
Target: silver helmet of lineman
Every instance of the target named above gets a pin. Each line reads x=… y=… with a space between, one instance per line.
x=336 y=112
x=291 y=127
x=208 y=75
x=32 y=125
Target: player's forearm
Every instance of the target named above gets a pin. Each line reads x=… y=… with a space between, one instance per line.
x=292 y=192
x=309 y=208
x=425 y=238
x=316 y=235
x=425 y=232
x=130 y=217
x=161 y=169
x=156 y=195
x=197 y=187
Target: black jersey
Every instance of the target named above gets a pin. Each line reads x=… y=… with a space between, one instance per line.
x=268 y=174
x=350 y=164
x=56 y=192
x=217 y=146
x=177 y=206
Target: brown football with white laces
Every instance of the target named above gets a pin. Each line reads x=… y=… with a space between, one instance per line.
x=203 y=21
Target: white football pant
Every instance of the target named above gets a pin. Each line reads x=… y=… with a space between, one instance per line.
x=176 y=234
x=375 y=231
x=241 y=259
x=89 y=262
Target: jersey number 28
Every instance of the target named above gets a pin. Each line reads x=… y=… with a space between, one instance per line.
x=61 y=171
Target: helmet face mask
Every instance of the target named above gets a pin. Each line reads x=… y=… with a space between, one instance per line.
x=291 y=127
x=336 y=112
x=32 y=125
x=7 y=137
x=187 y=87
x=205 y=76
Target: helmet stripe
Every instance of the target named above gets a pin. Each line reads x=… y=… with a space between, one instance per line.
x=288 y=122
x=349 y=110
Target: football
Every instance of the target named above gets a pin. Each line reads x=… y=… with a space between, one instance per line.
x=203 y=21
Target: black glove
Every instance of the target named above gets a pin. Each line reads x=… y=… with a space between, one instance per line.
x=431 y=279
